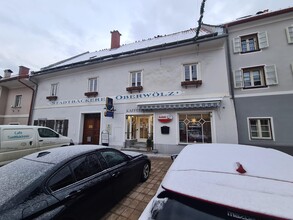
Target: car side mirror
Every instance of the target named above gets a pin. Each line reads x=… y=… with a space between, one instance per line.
x=173 y=156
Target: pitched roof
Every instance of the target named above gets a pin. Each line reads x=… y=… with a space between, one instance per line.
x=259 y=15
x=138 y=46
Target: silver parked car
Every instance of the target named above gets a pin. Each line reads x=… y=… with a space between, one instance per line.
x=225 y=181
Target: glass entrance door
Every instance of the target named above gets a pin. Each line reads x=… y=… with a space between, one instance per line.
x=143 y=129
x=139 y=127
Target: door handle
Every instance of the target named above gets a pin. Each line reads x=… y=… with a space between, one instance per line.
x=41 y=140
x=73 y=194
x=116 y=174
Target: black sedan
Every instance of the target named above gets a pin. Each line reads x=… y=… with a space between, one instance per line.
x=74 y=182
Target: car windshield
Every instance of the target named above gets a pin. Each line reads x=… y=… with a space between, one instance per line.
x=171 y=206
x=17 y=175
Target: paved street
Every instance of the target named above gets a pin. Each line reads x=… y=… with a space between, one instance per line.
x=134 y=203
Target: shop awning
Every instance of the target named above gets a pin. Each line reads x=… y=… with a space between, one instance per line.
x=190 y=104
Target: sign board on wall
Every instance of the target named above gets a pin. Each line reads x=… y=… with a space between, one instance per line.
x=165 y=118
x=109 y=108
x=117 y=98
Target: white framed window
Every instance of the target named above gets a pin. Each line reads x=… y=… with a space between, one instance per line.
x=289 y=33
x=195 y=128
x=93 y=84
x=250 y=43
x=136 y=78
x=17 y=102
x=191 y=72
x=59 y=126
x=253 y=77
x=42 y=122
x=54 y=88
x=260 y=128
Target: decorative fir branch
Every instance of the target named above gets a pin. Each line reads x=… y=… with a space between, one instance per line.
x=200 y=18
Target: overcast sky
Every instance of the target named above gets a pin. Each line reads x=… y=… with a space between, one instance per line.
x=36 y=33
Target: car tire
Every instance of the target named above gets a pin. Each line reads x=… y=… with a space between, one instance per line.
x=145 y=172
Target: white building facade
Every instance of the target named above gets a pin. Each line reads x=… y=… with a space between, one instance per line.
x=173 y=90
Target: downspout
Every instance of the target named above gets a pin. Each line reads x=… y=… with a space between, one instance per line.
x=33 y=97
x=231 y=77
x=230 y=72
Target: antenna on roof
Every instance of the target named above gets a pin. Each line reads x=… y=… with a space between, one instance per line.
x=200 y=18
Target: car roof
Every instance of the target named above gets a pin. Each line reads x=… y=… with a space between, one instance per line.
x=20 y=126
x=209 y=172
x=59 y=154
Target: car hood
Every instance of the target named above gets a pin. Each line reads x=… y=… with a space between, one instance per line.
x=132 y=153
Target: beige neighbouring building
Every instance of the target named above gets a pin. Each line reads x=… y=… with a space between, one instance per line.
x=16 y=95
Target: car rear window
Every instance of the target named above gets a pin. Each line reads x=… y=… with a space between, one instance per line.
x=86 y=166
x=17 y=175
x=171 y=206
x=61 y=179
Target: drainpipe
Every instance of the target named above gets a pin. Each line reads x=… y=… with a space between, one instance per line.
x=231 y=77
x=33 y=97
x=230 y=71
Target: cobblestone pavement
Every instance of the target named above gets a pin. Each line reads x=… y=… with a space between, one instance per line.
x=134 y=203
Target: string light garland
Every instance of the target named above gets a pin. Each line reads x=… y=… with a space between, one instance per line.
x=200 y=18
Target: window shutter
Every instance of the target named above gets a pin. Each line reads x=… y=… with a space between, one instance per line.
x=238 y=79
x=65 y=128
x=263 y=39
x=237 y=44
x=198 y=72
x=271 y=75
x=50 y=124
x=289 y=33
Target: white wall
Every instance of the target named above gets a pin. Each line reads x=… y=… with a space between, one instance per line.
x=161 y=72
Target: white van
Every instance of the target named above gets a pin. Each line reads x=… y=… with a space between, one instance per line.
x=19 y=140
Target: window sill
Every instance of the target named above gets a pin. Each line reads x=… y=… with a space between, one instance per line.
x=251 y=51
x=52 y=98
x=134 y=88
x=91 y=94
x=261 y=139
x=195 y=83
x=255 y=87
x=16 y=107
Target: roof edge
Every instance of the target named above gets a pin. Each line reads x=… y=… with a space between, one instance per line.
x=62 y=61
x=258 y=17
x=160 y=47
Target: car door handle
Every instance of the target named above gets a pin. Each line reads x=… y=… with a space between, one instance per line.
x=116 y=174
x=41 y=140
x=73 y=194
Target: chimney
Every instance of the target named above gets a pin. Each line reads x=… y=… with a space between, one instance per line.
x=23 y=71
x=115 y=39
x=7 y=73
